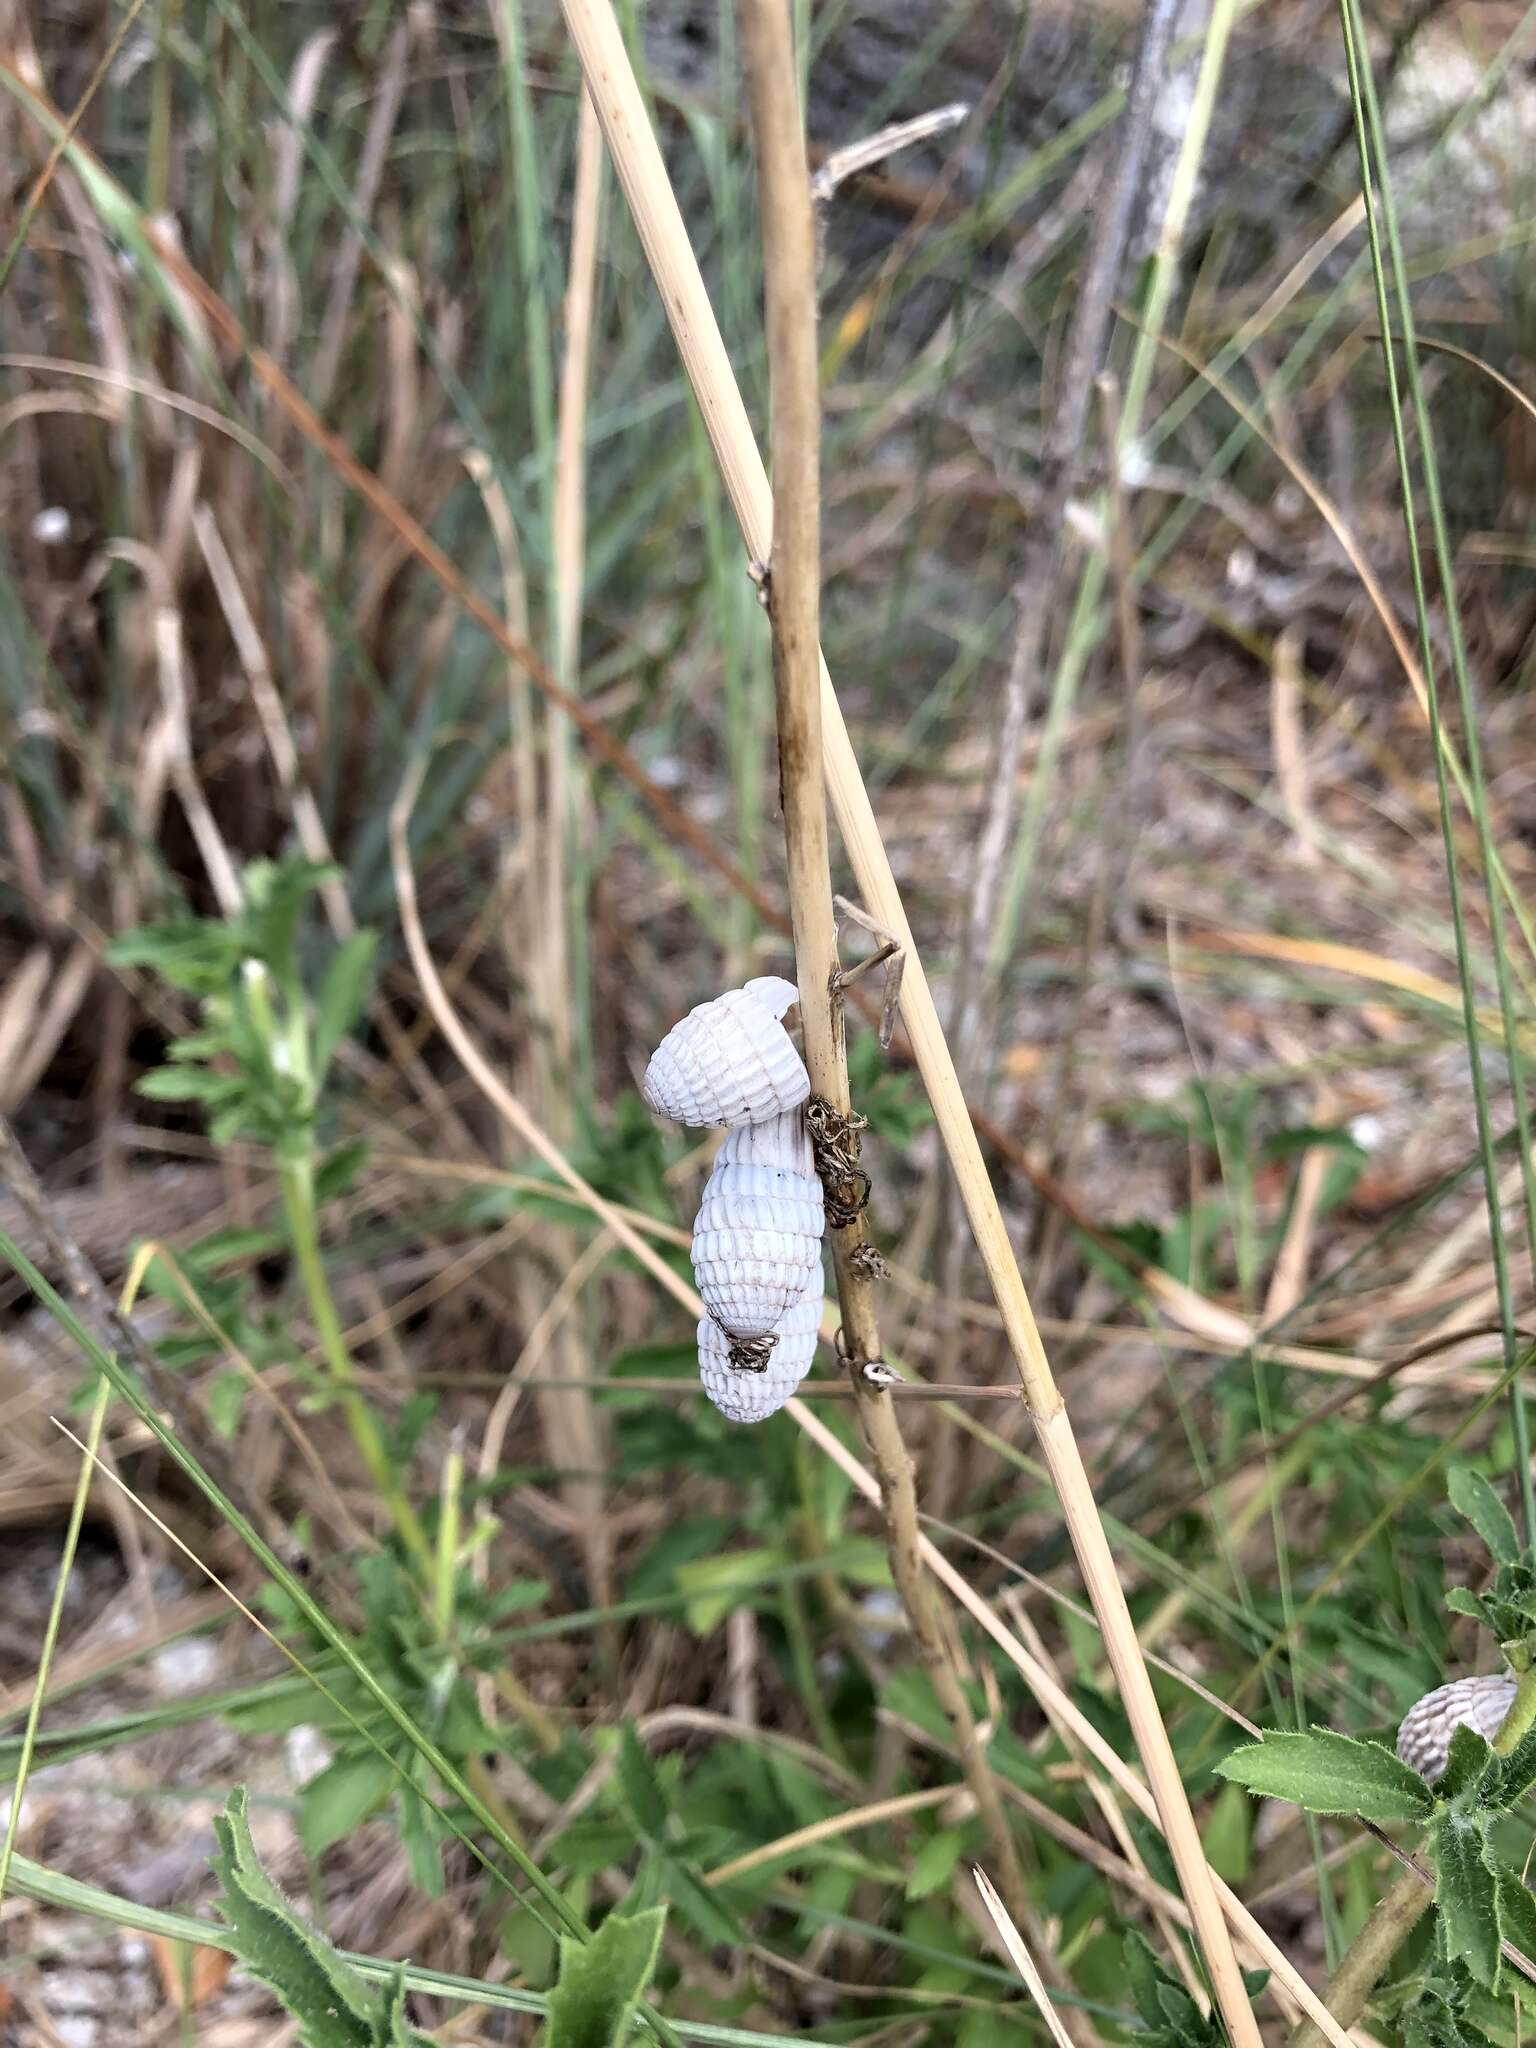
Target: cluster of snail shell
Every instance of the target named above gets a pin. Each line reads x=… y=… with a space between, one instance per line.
x=757 y=1237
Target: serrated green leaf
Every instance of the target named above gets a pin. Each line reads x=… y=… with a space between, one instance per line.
x=601 y=1981
x=1472 y=1497
x=1330 y=1773
x=1466 y=1896
x=334 y=2006
x=934 y=1863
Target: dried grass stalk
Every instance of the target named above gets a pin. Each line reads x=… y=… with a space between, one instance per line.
x=638 y=162
x=794 y=608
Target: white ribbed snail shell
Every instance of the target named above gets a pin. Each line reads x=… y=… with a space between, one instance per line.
x=780 y=1141
x=757 y=1237
x=729 y=1061
x=1424 y=1740
x=753 y=1396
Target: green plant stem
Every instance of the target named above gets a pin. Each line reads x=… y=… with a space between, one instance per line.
x=436 y=1568
x=1370 y=1953
x=51 y=1632
x=297 y=1181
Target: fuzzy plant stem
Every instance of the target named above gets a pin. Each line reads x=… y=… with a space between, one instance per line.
x=1370 y=1954
x=794 y=604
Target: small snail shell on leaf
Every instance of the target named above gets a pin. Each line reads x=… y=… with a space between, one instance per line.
x=753 y=1396
x=757 y=1245
x=729 y=1061
x=1424 y=1739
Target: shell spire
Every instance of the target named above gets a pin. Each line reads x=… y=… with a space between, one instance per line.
x=729 y=1061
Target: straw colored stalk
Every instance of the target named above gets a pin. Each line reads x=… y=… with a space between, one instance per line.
x=638 y=162
x=572 y=1423
x=794 y=610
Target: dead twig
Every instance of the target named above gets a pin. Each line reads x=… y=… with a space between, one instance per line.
x=794 y=611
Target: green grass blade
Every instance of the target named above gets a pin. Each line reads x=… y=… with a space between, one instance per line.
x=1376 y=189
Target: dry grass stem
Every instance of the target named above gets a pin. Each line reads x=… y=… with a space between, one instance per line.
x=794 y=606
x=1021 y=1958
x=638 y=163
x=573 y=1425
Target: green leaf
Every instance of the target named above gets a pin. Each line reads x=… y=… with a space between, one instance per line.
x=1467 y=1760
x=1517 y=1914
x=1170 y=2018
x=399 y=2032
x=702 y=1908
x=190 y=953
x=715 y=1585
x=334 y=2005
x=934 y=1862
x=1330 y=1773
x=1467 y=1896
x=642 y=1788
x=1462 y=1601
x=189 y=1084
x=1507 y=1779
x=342 y=994
x=341 y=1796
x=340 y=1168
x=226 y=1398
x=1472 y=1496
x=601 y=1981
x=1146 y=1975
x=1227 y=1834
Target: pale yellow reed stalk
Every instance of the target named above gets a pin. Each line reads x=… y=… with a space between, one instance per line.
x=638 y=162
